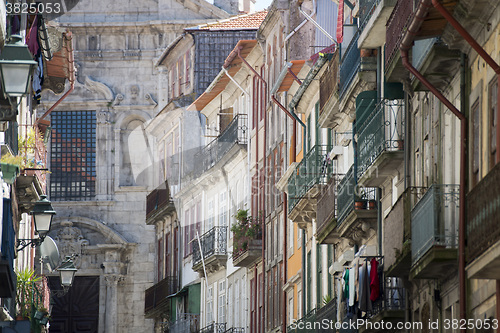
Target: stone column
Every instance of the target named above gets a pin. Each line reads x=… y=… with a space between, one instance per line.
x=111 y=302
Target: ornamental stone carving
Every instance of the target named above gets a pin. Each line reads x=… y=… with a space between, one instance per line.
x=70 y=241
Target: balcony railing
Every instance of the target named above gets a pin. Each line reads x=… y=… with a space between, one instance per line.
x=213 y=242
x=329 y=82
x=483 y=209
x=326 y=210
x=11 y=137
x=235 y=330
x=392 y=299
x=350 y=64
x=395 y=28
x=327 y=312
x=314 y=169
x=382 y=131
x=214 y=328
x=158 y=199
x=234 y=134
x=434 y=220
x=185 y=323
x=366 y=9
x=349 y=193
x=159 y=292
x=303 y=324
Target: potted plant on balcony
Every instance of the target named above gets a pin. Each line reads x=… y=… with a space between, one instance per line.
x=10 y=167
x=26 y=280
x=246 y=229
x=359 y=199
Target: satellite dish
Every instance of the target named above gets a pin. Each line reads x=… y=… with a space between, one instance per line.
x=49 y=253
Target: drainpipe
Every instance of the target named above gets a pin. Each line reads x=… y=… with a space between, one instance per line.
x=405 y=46
x=301 y=24
x=238 y=52
x=285 y=259
x=482 y=53
x=69 y=48
x=496 y=68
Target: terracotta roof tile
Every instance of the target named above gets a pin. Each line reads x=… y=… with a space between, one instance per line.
x=245 y=21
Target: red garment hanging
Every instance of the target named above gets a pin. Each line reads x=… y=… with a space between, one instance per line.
x=374 y=280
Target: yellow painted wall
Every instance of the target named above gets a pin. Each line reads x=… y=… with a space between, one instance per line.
x=480 y=70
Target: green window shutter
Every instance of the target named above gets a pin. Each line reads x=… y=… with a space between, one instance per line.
x=318 y=128
x=309 y=282
x=319 y=267
x=308 y=141
x=330 y=262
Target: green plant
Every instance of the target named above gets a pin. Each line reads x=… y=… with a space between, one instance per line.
x=326 y=299
x=26 y=285
x=11 y=159
x=245 y=229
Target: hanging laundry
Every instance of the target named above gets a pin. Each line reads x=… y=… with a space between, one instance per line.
x=365 y=303
x=352 y=289
x=346 y=283
x=357 y=263
x=32 y=38
x=374 y=280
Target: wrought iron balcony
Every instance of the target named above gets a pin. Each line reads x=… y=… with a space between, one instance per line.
x=327 y=313
x=397 y=235
x=304 y=185
x=432 y=25
x=156 y=300
x=396 y=27
x=213 y=249
x=373 y=16
x=249 y=254
x=185 y=323
x=235 y=134
x=326 y=212
x=214 y=328
x=329 y=114
x=355 y=206
x=380 y=140
x=483 y=233
x=158 y=202
x=350 y=65
x=356 y=74
x=434 y=232
x=305 y=324
x=390 y=306
x=235 y=330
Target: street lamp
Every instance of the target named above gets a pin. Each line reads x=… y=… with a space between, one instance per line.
x=67 y=272
x=42 y=215
x=16 y=64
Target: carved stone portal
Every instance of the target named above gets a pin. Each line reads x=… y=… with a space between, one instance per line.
x=70 y=240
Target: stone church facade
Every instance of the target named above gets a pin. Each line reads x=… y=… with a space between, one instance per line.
x=102 y=160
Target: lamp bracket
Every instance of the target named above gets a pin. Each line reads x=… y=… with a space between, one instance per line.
x=23 y=243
